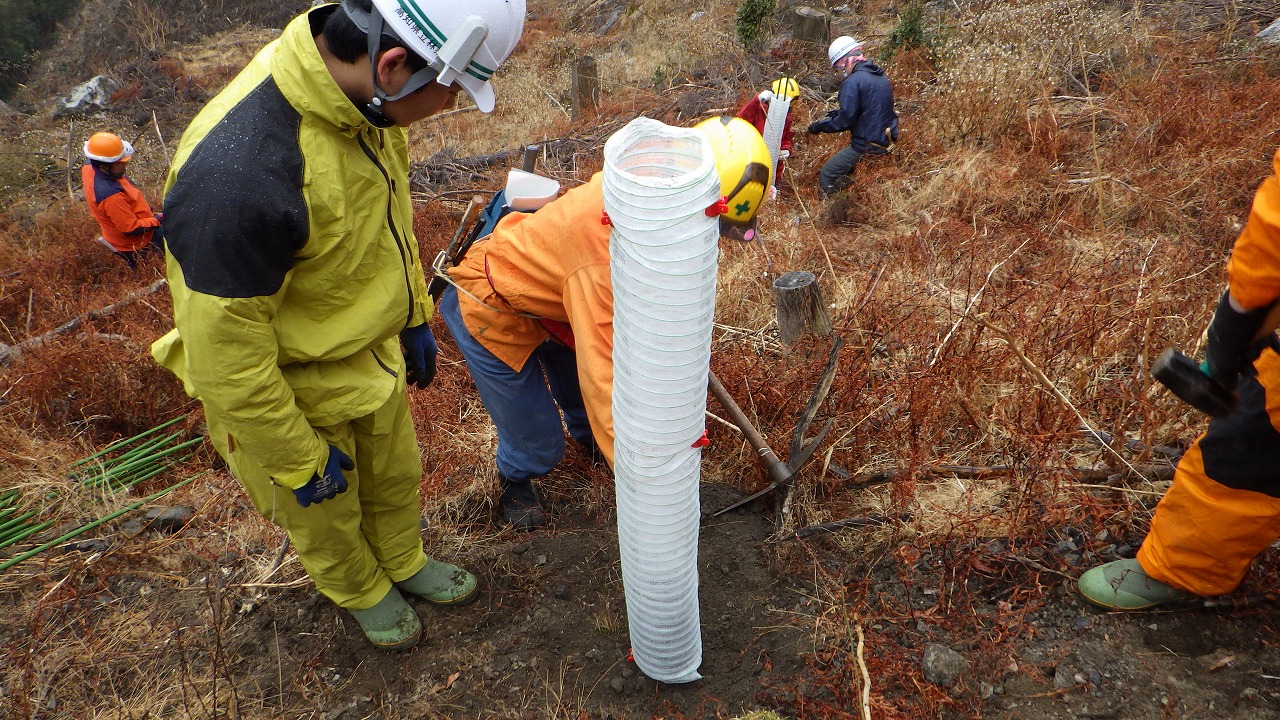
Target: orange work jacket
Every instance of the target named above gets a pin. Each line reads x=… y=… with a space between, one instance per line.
x=122 y=213
x=1254 y=268
x=552 y=264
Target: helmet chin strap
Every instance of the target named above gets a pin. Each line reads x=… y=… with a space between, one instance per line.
x=374 y=110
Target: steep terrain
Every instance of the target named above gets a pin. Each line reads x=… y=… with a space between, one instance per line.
x=1070 y=178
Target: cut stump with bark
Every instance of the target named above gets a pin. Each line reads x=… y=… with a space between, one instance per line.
x=810 y=25
x=584 y=86
x=800 y=307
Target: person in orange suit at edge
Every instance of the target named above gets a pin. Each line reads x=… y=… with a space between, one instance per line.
x=1224 y=505
x=129 y=228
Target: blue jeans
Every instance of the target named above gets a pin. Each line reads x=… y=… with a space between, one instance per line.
x=523 y=405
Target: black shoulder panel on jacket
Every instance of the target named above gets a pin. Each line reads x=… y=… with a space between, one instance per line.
x=235 y=216
x=104 y=186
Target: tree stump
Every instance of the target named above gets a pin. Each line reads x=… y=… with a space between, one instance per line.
x=810 y=25
x=585 y=86
x=800 y=307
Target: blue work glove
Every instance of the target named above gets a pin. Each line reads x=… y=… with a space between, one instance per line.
x=328 y=485
x=419 y=355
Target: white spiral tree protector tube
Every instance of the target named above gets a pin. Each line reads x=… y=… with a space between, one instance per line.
x=658 y=182
x=775 y=120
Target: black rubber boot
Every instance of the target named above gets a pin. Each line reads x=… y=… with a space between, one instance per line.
x=521 y=504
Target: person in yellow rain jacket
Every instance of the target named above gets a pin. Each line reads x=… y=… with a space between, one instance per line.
x=1224 y=505
x=128 y=226
x=296 y=281
x=531 y=310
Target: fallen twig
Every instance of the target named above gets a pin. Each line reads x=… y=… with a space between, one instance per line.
x=865 y=695
x=1035 y=370
x=1151 y=472
x=1037 y=565
x=11 y=352
x=815 y=400
x=163 y=146
x=71 y=129
x=834 y=525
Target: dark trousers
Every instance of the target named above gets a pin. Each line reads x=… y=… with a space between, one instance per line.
x=156 y=246
x=837 y=172
x=526 y=406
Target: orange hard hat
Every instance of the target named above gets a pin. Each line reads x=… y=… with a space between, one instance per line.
x=107 y=147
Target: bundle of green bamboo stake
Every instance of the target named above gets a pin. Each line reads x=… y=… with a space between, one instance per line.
x=85 y=528
x=120 y=465
x=16 y=525
x=127 y=462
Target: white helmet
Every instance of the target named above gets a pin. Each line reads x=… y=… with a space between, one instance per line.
x=840 y=47
x=463 y=42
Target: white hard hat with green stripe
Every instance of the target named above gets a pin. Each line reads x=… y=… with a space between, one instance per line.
x=463 y=41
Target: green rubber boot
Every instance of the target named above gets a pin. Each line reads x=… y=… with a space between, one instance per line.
x=391 y=624
x=1124 y=585
x=442 y=584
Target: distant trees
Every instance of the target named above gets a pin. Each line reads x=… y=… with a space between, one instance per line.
x=26 y=26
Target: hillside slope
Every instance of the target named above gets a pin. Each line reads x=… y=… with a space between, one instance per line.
x=1070 y=178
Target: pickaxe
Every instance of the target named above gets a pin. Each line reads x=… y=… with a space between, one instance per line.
x=781 y=474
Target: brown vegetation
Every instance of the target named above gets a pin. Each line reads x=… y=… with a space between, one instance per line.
x=1070 y=179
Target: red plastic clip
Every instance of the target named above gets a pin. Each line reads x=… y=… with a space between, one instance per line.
x=604 y=219
x=702 y=441
x=719 y=207
x=630 y=656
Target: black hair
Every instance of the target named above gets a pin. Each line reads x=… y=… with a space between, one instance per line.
x=349 y=43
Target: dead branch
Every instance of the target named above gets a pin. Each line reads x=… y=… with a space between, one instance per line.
x=71 y=129
x=829 y=527
x=815 y=400
x=455 y=111
x=454 y=171
x=436 y=172
x=864 y=696
x=1035 y=370
x=1151 y=472
x=8 y=353
x=155 y=123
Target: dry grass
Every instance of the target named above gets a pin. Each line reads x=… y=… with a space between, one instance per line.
x=1070 y=219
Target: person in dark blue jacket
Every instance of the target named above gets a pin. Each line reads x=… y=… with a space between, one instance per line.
x=866 y=112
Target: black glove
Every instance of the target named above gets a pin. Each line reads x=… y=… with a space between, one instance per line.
x=815 y=127
x=420 y=352
x=1231 y=346
x=330 y=484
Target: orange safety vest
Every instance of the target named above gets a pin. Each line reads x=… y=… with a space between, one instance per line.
x=122 y=213
x=552 y=265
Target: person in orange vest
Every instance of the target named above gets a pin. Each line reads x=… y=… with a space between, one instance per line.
x=530 y=308
x=756 y=111
x=128 y=226
x=1224 y=505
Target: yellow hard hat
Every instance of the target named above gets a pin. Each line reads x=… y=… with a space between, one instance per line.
x=785 y=88
x=745 y=169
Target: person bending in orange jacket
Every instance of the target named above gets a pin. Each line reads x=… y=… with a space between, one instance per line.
x=531 y=310
x=1224 y=505
x=128 y=226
